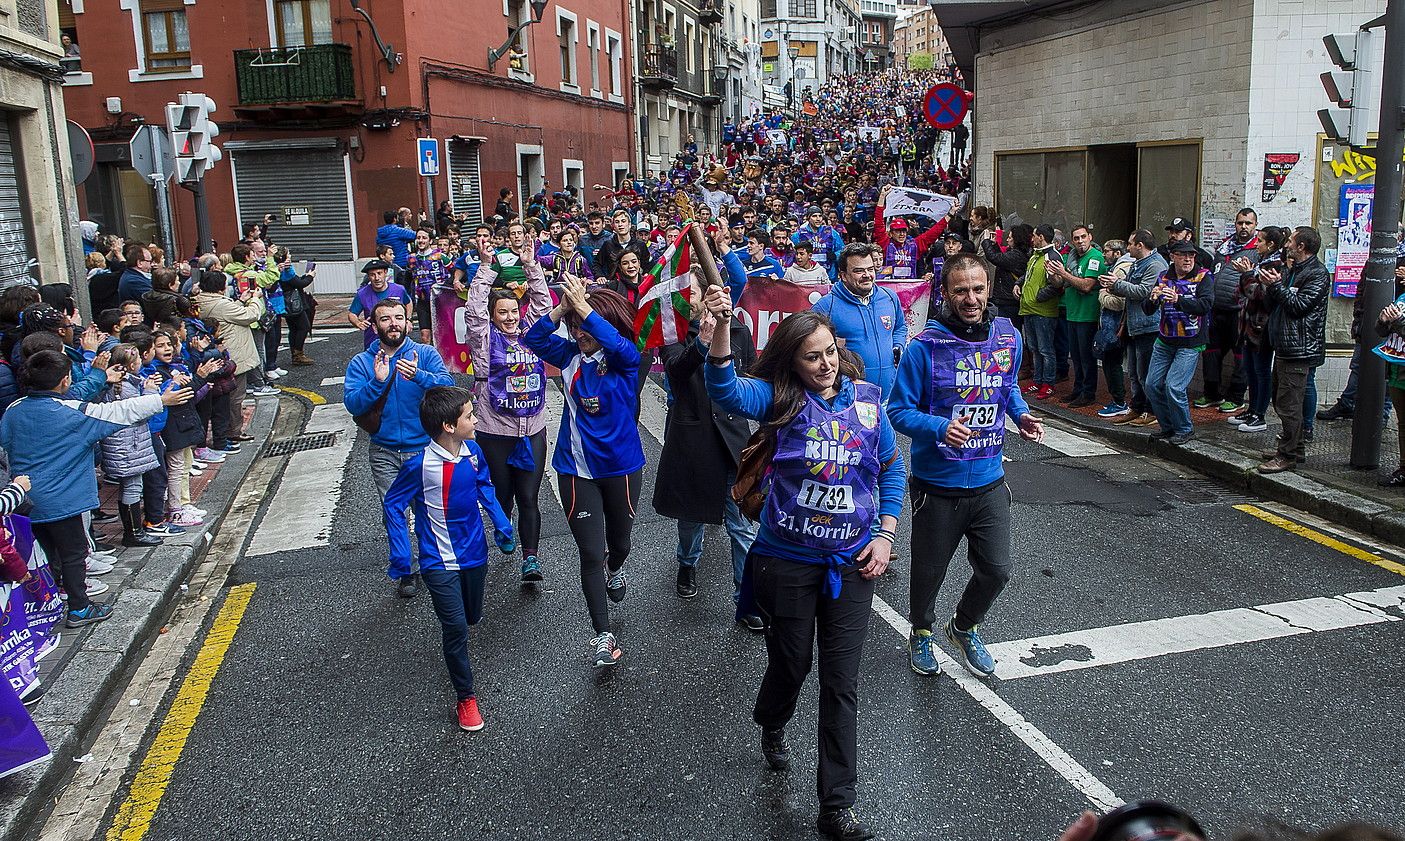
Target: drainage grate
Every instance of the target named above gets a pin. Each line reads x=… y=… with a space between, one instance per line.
x=288 y=446
x=1196 y=492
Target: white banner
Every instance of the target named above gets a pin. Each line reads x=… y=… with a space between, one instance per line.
x=869 y=132
x=905 y=201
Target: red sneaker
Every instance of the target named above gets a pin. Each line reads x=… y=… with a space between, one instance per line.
x=1031 y=388
x=1044 y=393
x=469 y=717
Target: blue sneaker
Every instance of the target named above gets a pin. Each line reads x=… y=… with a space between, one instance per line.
x=165 y=528
x=531 y=569
x=973 y=654
x=1113 y=410
x=919 y=654
x=89 y=615
x=506 y=545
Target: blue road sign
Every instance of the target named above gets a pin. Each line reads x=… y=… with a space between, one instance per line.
x=427 y=154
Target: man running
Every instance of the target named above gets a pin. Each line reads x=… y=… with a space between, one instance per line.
x=957 y=382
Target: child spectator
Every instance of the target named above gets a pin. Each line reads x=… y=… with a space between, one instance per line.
x=50 y=439
x=201 y=347
x=183 y=429
x=130 y=454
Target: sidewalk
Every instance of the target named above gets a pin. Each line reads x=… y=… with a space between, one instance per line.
x=331 y=310
x=89 y=664
x=1324 y=485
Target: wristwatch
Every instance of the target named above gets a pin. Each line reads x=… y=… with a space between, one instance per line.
x=719 y=361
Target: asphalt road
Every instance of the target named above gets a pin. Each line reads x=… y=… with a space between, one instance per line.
x=332 y=716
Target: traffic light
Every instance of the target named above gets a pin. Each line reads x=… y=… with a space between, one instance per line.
x=191 y=131
x=1349 y=90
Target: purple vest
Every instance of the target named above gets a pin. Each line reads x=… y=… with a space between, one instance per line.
x=367 y=296
x=824 y=477
x=900 y=261
x=972 y=382
x=516 y=377
x=1174 y=322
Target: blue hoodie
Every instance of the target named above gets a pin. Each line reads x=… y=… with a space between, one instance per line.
x=399 y=240
x=400 y=419
x=875 y=331
x=907 y=408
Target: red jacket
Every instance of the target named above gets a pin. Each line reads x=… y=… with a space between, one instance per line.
x=924 y=240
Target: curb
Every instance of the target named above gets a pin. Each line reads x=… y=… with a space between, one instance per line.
x=75 y=703
x=1237 y=470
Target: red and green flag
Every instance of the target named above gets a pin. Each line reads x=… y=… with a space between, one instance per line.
x=662 y=317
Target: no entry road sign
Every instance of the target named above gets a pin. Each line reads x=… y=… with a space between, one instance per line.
x=946 y=105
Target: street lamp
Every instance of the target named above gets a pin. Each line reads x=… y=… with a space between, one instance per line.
x=794 y=53
x=719 y=78
x=538 y=9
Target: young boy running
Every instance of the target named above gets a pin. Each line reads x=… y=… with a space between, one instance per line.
x=446 y=483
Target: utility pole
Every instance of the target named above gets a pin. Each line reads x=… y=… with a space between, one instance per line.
x=1378 y=280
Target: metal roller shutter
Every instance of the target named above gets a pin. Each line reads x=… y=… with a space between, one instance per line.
x=465 y=182
x=16 y=253
x=271 y=180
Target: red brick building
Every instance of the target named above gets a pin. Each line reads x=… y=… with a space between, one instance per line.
x=320 y=106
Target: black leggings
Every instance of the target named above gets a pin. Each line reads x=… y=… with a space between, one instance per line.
x=600 y=513
x=521 y=486
x=298 y=327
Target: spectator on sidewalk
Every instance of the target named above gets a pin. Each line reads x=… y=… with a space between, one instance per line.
x=1108 y=343
x=1010 y=265
x=1345 y=407
x=233 y=319
x=1141 y=327
x=1078 y=274
x=1040 y=313
x=1253 y=326
x=1224 y=347
x=1184 y=295
x=1297 y=329
x=136 y=279
x=1181 y=230
x=868 y=319
x=397 y=234
x=1391 y=327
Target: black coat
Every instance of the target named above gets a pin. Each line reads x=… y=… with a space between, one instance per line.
x=102 y=291
x=1297 y=317
x=702 y=443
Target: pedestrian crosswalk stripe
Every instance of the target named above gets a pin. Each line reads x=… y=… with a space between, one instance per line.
x=1056 y=438
x=653 y=410
x=311 y=486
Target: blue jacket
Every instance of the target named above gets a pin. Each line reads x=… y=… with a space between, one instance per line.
x=88 y=382
x=599 y=435
x=766 y=267
x=448 y=525
x=908 y=409
x=51 y=439
x=400 y=420
x=399 y=240
x=876 y=331
x=132 y=285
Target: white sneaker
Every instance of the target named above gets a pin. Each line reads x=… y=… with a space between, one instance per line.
x=271 y=375
x=199 y=512
x=186 y=519
x=209 y=456
x=195 y=471
x=103 y=555
x=265 y=391
x=281 y=372
x=94 y=587
x=98 y=566
x=196 y=464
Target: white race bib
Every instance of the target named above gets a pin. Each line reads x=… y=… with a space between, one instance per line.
x=976 y=415
x=831 y=499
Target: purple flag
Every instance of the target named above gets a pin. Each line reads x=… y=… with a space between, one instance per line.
x=29 y=614
x=21 y=744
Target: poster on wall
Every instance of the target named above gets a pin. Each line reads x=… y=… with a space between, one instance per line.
x=1353 y=237
x=1277 y=165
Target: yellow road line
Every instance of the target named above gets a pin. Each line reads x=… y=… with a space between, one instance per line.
x=137 y=811
x=317 y=399
x=1322 y=539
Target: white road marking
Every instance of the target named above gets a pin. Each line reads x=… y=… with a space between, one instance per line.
x=1158 y=637
x=1065 y=442
x=653 y=410
x=333 y=380
x=312 y=340
x=1054 y=756
x=312 y=484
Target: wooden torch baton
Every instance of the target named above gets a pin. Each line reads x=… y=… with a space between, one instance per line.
x=703 y=250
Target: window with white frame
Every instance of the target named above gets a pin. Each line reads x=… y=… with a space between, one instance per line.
x=165 y=36
x=566 y=35
x=688 y=44
x=592 y=45
x=616 y=57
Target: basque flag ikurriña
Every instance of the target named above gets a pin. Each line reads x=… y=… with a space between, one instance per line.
x=662 y=317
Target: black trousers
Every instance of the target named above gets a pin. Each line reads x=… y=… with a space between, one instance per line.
x=1224 y=346
x=153 y=484
x=794 y=598
x=938 y=524
x=66 y=545
x=298 y=327
x=520 y=486
x=601 y=516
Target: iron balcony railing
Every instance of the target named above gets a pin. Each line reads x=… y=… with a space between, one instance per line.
x=660 y=62
x=317 y=73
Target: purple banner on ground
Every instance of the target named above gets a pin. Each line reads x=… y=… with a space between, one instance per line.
x=21 y=744
x=29 y=614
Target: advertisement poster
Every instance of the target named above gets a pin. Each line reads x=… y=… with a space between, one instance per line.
x=1277 y=165
x=1353 y=237
x=765 y=304
x=29 y=614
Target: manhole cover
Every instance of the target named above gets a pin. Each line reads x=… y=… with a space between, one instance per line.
x=288 y=446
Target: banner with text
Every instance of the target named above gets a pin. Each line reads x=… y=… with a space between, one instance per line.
x=451 y=331
x=906 y=201
x=1353 y=237
x=766 y=303
x=29 y=613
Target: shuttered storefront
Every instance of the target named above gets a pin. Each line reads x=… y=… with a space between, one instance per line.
x=16 y=251
x=305 y=188
x=465 y=182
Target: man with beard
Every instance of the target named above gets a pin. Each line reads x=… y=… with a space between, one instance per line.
x=393 y=373
x=956 y=385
